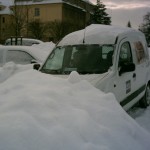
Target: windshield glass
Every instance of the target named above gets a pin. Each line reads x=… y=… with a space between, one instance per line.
x=85 y=59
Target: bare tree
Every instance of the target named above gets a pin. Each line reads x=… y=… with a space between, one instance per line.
x=20 y=14
x=58 y=29
x=37 y=29
x=145 y=27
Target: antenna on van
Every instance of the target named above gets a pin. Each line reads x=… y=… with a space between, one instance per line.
x=84 y=35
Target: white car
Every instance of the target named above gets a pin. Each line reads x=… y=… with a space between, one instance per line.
x=21 y=55
x=22 y=41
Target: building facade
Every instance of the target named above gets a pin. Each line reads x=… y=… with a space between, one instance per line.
x=76 y=12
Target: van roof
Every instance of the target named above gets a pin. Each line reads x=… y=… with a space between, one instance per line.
x=97 y=34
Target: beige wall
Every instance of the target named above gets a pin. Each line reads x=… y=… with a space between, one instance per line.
x=6 y=29
x=48 y=12
x=73 y=15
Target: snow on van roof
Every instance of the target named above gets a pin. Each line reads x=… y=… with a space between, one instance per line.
x=96 y=34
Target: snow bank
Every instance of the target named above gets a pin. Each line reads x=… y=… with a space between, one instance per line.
x=10 y=68
x=42 y=112
x=144 y=118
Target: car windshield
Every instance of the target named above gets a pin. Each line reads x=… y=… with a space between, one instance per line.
x=85 y=59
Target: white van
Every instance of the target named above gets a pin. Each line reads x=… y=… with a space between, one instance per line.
x=112 y=58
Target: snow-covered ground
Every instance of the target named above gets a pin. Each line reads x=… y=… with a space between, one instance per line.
x=142 y=116
x=42 y=112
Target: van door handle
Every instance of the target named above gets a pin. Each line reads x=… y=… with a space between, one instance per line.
x=134 y=75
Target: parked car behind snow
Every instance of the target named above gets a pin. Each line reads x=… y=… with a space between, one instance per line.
x=22 y=41
x=21 y=55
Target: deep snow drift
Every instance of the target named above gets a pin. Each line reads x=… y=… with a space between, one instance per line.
x=42 y=112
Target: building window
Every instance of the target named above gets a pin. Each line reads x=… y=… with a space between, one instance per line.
x=37 y=12
x=3 y=19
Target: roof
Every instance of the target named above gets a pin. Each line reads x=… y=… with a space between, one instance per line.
x=96 y=34
x=29 y=2
x=8 y=3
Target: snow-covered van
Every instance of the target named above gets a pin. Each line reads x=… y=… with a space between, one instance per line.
x=113 y=59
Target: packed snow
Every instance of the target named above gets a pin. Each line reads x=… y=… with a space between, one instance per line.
x=40 y=111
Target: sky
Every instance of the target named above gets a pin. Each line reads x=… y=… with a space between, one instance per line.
x=129 y=10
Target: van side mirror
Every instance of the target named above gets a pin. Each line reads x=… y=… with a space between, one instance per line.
x=126 y=67
x=36 y=66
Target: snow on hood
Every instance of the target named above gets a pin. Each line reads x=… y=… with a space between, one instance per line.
x=91 y=78
x=42 y=112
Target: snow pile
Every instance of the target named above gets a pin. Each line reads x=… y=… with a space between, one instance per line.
x=11 y=68
x=41 y=112
x=144 y=119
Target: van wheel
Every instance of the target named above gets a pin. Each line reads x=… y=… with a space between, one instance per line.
x=145 y=101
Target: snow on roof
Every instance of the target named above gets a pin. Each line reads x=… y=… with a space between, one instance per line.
x=46 y=2
x=38 y=2
x=8 y=3
x=95 y=34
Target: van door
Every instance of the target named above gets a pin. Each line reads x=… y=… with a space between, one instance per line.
x=124 y=82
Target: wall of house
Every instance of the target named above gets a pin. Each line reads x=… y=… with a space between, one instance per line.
x=6 y=27
x=47 y=12
x=76 y=12
x=73 y=15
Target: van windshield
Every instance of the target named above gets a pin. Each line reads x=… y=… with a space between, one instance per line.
x=85 y=59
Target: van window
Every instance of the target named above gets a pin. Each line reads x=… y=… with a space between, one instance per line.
x=139 y=51
x=125 y=53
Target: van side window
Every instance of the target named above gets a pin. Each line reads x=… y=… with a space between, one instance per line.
x=125 y=53
x=140 y=54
